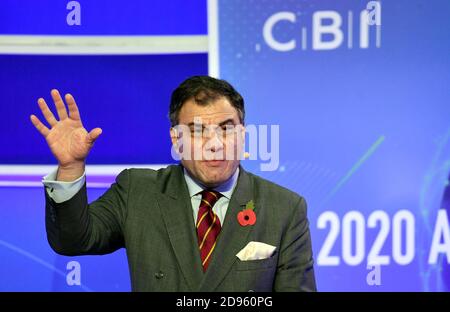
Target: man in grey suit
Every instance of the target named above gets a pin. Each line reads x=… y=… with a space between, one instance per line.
x=203 y=225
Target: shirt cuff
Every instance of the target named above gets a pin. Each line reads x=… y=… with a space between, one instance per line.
x=61 y=191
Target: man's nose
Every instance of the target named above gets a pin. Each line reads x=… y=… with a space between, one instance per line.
x=214 y=141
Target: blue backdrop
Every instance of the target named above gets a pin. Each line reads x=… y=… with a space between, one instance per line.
x=364 y=128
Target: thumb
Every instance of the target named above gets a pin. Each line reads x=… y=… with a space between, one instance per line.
x=93 y=135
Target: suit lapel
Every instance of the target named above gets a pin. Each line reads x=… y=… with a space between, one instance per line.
x=233 y=237
x=176 y=209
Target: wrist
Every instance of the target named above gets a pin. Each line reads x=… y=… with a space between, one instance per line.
x=71 y=172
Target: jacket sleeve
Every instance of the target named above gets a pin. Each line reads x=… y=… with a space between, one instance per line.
x=295 y=270
x=75 y=227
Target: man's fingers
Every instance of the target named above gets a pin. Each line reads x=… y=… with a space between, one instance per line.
x=73 y=108
x=48 y=115
x=39 y=125
x=93 y=135
x=60 y=107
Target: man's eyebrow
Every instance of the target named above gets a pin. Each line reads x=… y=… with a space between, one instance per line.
x=226 y=121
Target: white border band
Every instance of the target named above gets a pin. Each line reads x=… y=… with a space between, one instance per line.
x=92 y=45
x=41 y=170
x=213 y=38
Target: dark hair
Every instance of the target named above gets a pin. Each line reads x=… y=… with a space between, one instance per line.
x=204 y=90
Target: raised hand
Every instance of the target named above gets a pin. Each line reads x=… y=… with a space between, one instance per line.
x=68 y=140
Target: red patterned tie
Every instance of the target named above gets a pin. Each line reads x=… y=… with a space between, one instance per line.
x=208 y=226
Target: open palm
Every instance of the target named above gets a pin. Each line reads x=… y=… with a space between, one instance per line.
x=68 y=140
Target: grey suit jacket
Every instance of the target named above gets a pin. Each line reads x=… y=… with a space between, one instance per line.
x=149 y=213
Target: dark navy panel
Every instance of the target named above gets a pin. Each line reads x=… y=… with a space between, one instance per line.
x=104 y=17
x=127 y=96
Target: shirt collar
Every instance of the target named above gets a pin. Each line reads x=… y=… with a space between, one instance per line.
x=226 y=188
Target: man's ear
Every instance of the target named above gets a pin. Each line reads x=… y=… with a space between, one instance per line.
x=241 y=134
x=174 y=136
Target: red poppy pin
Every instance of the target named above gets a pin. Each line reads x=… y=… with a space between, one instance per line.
x=247 y=216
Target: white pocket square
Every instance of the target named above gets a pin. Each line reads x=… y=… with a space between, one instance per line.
x=256 y=251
